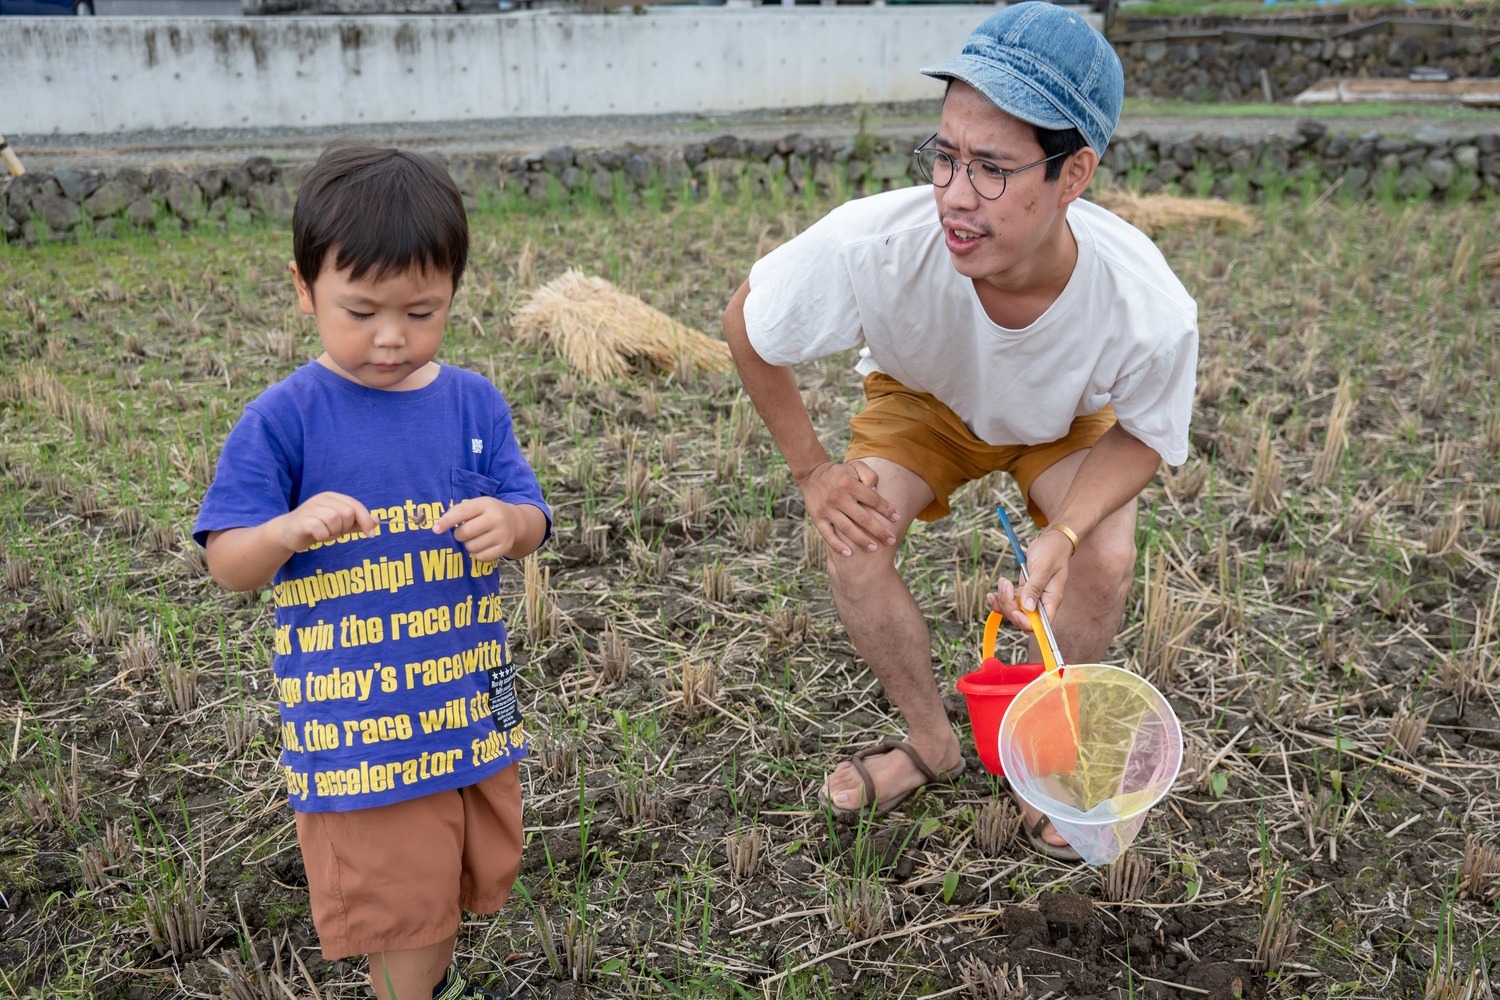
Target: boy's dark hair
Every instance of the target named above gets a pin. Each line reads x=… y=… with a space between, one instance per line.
x=382 y=211
x=1055 y=141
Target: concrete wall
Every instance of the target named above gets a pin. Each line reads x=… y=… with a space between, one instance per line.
x=101 y=75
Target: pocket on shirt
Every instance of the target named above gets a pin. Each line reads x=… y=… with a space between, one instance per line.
x=466 y=485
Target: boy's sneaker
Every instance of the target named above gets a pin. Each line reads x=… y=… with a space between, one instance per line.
x=456 y=986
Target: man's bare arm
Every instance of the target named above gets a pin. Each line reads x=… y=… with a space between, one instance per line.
x=841 y=497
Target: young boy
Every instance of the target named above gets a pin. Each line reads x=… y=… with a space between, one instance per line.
x=378 y=490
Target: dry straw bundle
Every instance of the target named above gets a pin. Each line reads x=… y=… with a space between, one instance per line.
x=600 y=330
x=1156 y=213
x=1491 y=261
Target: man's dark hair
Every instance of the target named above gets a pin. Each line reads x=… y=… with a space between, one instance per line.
x=382 y=212
x=1055 y=141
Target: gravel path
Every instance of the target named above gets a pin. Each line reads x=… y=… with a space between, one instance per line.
x=202 y=148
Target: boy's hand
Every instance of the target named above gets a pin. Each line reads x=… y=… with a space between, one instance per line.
x=246 y=558
x=488 y=528
x=322 y=518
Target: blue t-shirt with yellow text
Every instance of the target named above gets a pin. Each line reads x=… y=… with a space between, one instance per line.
x=393 y=668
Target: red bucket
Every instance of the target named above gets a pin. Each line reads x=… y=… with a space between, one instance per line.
x=988 y=692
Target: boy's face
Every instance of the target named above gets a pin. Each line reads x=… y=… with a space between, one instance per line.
x=380 y=333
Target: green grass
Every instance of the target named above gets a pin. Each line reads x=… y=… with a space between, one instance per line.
x=1152 y=107
x=1259 y=8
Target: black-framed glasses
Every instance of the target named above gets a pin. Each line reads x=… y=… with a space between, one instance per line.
x=988 y=180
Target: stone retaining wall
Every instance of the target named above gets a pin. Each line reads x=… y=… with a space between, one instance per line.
x=1332 y=17
x=60 y=205
x=1245 y=63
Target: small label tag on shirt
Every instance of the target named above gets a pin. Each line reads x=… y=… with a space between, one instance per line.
x=504 y=709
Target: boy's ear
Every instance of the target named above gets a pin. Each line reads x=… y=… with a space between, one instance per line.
x=304 y=290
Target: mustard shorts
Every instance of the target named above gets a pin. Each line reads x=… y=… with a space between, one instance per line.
x=394 y=877
x=919 y=433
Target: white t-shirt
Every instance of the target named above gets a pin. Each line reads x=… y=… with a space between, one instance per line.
x=876 y=272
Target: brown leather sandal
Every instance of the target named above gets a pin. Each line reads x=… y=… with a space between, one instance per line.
x=1035 y=834
x=871 y=802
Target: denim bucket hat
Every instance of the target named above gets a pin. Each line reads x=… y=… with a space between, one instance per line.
x=1044 y=65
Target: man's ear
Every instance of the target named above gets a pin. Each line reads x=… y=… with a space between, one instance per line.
x=1078 y=170
x=304 y=290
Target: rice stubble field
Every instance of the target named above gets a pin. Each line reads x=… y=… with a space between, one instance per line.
x=1317 y=592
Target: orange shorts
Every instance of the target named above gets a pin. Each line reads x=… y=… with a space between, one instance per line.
x=917 y=432
x=393 y=877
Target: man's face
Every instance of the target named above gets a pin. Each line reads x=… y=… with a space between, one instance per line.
x=1003 y=239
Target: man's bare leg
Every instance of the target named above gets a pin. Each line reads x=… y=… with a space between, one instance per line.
x=890 y=632
x=1099 y=579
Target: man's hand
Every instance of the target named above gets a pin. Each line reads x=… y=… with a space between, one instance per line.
x=322 y=518
x=844 y=507
x=840 y=497
x=1047 y=564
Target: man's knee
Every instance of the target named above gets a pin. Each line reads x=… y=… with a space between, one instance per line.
x=1105 y=563
x=860 y=566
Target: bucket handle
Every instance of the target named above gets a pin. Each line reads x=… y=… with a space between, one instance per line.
x=992 y=633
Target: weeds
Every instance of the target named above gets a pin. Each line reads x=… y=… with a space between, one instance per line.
x=995 y=826
x=177 y=914
x=1277 y=928
x=744 y=852
x=1479 y=875
x=50 y=799
x=699 y=684
x=1445 y=979
x=1125 y=879
x=613 y=659
x=983 y=981
x=541 y=614
x=858 y=905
